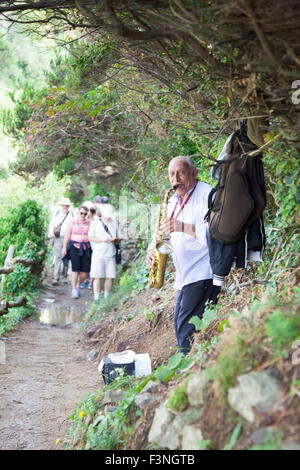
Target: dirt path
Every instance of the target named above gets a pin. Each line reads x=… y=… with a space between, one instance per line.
x=46 y=373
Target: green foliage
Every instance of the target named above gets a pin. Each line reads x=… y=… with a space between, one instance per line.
x=14 y=63
x=204 y=444
x=14 y=316
x=282 y=212
x=23 y=227
x=209 y=315
x=283 y=327
x=151 y=315
x=93 y=428
x=14 y=121
x=14 y=191
x=234 y=360
x=24 y=279
x=178 y=399
x=234 y=437
x=245 y=346
x=176 y=363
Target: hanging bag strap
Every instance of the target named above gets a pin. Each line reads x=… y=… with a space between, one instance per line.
x=106 y=228
x=65 y=217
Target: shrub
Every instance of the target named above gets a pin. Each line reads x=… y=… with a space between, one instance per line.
x=25 y=223
x=24 y=228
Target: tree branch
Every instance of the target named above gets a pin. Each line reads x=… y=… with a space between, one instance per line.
x=6 y=305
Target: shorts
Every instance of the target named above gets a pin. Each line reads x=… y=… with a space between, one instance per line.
x=103 y=268
x=82 y=263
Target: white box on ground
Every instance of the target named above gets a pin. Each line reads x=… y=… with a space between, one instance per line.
x=142 y=365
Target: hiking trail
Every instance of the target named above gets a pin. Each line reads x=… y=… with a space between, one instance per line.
x=46 y=373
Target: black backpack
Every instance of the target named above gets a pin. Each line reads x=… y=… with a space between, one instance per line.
x=240 y=196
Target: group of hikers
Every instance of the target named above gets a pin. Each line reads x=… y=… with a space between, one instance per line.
x=86 y=239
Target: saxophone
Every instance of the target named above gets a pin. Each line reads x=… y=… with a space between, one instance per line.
x=161 y=248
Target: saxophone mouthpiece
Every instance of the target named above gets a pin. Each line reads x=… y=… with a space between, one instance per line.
x=175 y=186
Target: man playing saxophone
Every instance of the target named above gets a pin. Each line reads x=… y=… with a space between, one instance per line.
x=188 y=236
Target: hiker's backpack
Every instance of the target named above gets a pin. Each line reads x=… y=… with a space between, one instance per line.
x=240 y=196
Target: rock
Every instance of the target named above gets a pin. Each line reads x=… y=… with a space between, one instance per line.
x=110 y=409
x=113 y=396
x=170 y=439
x=259 y=435
x=195 y=388
x=191 y=438
x=172 y=436
x=151 y=387
x=91 y=356
x=162 y=418
x=290 y=446
x=257 y=389
x=143 y=399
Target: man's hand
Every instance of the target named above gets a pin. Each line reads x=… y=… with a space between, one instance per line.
x=171 y=225
x=150 y=259
x=174 y=225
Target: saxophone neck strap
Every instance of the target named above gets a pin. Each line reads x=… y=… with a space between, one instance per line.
x=185 y=201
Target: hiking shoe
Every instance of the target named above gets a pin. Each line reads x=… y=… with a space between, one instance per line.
x=90 y=286
x=83 y=285
x=78 y=291
x=74 y=295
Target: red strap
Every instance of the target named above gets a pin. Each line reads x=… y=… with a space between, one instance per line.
x=183 y=204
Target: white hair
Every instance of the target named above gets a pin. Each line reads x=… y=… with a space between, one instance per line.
x=185 y=159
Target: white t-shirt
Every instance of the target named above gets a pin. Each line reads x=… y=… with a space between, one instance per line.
x=104 y=249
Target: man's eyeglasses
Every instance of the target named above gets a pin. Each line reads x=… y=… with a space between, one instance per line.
x=83 y=213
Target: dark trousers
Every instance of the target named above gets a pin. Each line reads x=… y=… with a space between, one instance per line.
x=191 y=301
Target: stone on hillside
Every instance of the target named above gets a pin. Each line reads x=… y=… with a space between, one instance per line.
x=290 y=446
x=143 y=399
x=151 y=387
x=91 y=355
x=113 y=396
x=259 y=436
x=260 y=390
x=162 y=418
x=195 y=388
x=172 y=436
x=191 y=438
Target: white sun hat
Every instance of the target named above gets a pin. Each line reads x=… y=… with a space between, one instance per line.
x=65 y=202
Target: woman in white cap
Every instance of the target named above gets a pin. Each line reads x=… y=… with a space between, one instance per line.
x=57 y=229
